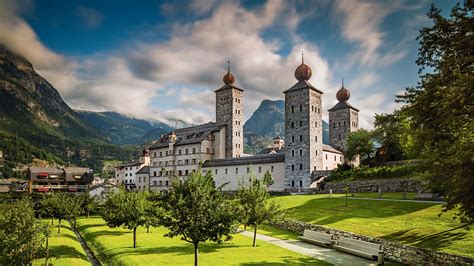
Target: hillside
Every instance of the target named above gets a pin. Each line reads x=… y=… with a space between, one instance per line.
x=34 y=118
x=267 y=122
x=120 y=129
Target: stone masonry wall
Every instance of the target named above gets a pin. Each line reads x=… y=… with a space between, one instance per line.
x=387 y=185
x=391 y=250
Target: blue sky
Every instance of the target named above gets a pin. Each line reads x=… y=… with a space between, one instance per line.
x=163 y=60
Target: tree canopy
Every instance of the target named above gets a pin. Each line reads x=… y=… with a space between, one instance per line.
x=359 y=143
x=254 y=208
x=441 y=108
x=198 y=211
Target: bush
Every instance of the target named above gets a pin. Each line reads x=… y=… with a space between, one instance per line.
x=381 y=172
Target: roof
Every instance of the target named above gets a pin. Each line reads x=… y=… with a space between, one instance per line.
x=132 y=163
x=188 y=135
x=256 y=159
x=49 y=170
x=304 y=84
x=342 y=105
x=102 y=184
x=84 y=173
x=145 y=170
x=228 y=86
x=271 y=151
x=331 y=149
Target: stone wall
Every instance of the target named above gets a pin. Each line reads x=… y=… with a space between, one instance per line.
x=387 y=185
x=391 y=250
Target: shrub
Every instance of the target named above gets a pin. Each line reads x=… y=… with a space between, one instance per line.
x=381 y=172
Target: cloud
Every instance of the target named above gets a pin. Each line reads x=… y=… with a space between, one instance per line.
x=361 y=22
x=90 y=17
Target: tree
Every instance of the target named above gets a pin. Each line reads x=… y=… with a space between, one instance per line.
x=198 y=211
x=154 y=212
x=74 y=207
x=359 y=143
x=255 y=209
x=393 y=132
x=441 y=108
x=267 y=179
x=21 y=235
x=89 y=203
x=126 y=208
x=58 y=205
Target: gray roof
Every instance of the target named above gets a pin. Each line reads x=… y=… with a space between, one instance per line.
x=188 y=135
x=342 y=105
x=256 y=159
x=302 y=85
x=331 y=149
x=228 y=86
x=132 y=163
x=49 y=170
x=145 y=170
x=271 y=151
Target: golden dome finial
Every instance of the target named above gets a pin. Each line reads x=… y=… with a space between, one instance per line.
x=228 y=78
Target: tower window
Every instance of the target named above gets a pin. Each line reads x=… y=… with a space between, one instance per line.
x=301 y=152
x=301 y=183
x=292 y=109
x=292 y=124
x=301 y=108
x=236 y=170
x=292 y=138
x=339 y=124
x=292 y=183
x=301 y=166
x=292 y=167
x=316 y=138
x=316 y=124
x=292 y=152
x=334 y=125
x=301 y=137
x=344 y=123
x=301 y=123
x=339 y=137
x=326 y=156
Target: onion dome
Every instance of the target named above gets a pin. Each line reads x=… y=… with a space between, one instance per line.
x=303 y=71
x=228 y=78
x=343 y=94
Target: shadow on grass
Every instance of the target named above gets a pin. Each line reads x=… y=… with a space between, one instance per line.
x=433 y=241
x=331 y=210
x=64 y=251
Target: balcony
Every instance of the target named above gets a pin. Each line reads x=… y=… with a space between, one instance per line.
x=49 y=186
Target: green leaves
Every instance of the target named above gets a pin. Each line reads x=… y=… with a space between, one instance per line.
x=359 y=143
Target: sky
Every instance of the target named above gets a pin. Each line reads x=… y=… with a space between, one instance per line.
x=164 y=59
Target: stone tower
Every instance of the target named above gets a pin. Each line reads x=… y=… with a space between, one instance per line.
x=303 y=130
x=343 y=119
x=229 y=112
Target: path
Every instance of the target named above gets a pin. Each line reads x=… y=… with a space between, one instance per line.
x=417 y=201
x=317 y=252
x=92 y=259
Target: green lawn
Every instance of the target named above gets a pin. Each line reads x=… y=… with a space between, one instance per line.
x=114 y=247
x=385 y=195
x=64 y=248
x=412 y=223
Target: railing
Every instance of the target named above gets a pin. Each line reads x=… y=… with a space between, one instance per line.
x=78 y=186
x=50 y=186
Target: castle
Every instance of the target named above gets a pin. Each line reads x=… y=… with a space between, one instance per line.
x=295 y=163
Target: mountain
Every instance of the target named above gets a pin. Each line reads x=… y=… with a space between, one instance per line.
x=35 y=122
x=267 y=122
x=120 y=129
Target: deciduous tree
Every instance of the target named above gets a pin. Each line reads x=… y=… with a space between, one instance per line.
x=359 y=143
x=126 y=208
x=198 y=211
x=441 y=107
x=255 y=209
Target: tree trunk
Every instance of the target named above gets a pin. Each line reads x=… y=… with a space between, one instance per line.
x=74 y=223
x=254 y=235
x=87 y=215
x=134 y=237
x=59 y=226
x=196 y=254
x=147 y=229
x=52 y=220
x=47 y=251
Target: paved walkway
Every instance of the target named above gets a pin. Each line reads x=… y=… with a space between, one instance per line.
x=317 y=252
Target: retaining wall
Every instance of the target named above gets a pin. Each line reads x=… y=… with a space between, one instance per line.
x=391 y=250
x=387 y=185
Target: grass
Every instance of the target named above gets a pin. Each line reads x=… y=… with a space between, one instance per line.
x=412 y=223
x=385 y=195
x=64 y=248
x=114 y=247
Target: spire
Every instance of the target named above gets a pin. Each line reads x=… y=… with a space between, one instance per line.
x=342 y=81
x=302 y=57
x=228 y=78
x=303 y=72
